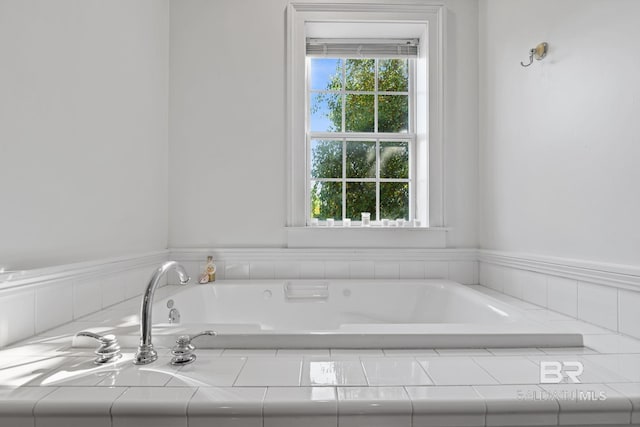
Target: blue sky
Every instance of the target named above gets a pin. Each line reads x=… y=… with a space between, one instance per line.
x=321 y=71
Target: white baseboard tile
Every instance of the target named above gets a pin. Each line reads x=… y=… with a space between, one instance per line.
x=54 y=305
x=629 y=312
x=606 y=295
x=299 y=263
x=534 y=287
x=465 y=272
x=38 y=300
x=562 y=295
x=17 y=316
x=87 y=296
x=598 y=305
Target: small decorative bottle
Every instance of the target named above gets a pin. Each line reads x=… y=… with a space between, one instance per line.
x=210 y=269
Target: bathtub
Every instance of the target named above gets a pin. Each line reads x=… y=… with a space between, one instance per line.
x=344 y=314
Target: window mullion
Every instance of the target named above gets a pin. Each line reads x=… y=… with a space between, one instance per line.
x=378 y=180
x=344 y=178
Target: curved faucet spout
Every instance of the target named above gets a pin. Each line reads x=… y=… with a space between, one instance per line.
x=146 y=353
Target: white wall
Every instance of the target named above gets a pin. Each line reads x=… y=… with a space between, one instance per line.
x=227 y=123
x=560 y=140
x=83 y=129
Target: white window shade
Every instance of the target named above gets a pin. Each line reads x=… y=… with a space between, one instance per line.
x=362 y=48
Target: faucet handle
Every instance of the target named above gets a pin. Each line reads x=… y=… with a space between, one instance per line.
x=182 y=352
x=109 y=349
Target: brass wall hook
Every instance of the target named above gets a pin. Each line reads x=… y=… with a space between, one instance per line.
x=538 y=52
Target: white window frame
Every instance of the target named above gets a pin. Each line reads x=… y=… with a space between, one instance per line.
x=428 y=152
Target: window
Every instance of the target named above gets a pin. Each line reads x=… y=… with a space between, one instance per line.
x=360 y=134
x=364 y=119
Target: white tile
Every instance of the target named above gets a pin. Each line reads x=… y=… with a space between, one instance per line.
x=33 y=347
x=491 y=276
x=245 y=352
x=628 y=312
x=319 y=352
x=312 y=270
x=463 y=352
x=411 y=270
x=155 y=374
x=356 y=352
x=77 y=406
x=287 y=270
x=324 y=371
x=29 y=369
x=54 y=305
x=511 y=285
x=518 y=405
x=17 y=316
x=604 y=405
x=446 y=406
x=227 y=407
x=567 y=350
x=510 y=370
x=237 y=270
x=336 y=270
x=386 y=270
x=362 y=270
x=515 y=351
x=297 y=406
x=632 y=392
x=86 y=296
x=136 y=281
x=270 y=371
x=562 y=295
x=389 y=371
x=409 y=352
x=612 y=343
x=373 y=407
x=534 y=287
x=455 y=371
x=16 y=404
x=465 y=272
x=75 y=371
x=208 y=372
x=598 y=304
x=486 y=274
x=112 y=289
x=612 y=368
x=152 y=407
x=262 y=270
x=436 y=270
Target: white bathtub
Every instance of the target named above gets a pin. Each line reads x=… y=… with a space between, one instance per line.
x=344 y=314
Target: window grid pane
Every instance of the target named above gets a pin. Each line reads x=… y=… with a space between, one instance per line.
x=375 y=179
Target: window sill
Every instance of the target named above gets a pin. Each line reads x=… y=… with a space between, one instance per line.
x=367 y=237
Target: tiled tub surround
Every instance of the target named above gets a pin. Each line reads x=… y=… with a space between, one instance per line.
x=45 y=381
x=606 y=295
x=42 y=379
x=37 y=300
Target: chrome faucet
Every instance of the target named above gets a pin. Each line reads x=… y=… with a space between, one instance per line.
x=146 y=353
